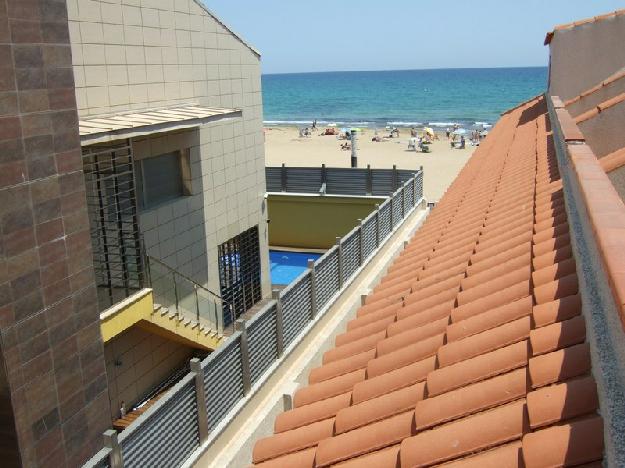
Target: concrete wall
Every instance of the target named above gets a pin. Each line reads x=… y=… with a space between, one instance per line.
x=136 y=362
x=315 y=221
x=144 y=54
x=53 y=389
x=584 y=55
x=604 y=132
x=593 y=100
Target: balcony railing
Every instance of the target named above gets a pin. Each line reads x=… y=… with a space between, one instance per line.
x=201 y=404
x=179 y=294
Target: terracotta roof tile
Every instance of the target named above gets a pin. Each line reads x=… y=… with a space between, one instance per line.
x=366 y=439
x=558 y=335
x=563 y=401
x=304 y=415
x=566 y=445
x=471 y=399
x=292 y=441
x=478 y=368
x=559 y=365
x=509 y=456
x=382 y=407
x=459 y=438
x=302 y=459
x=480 y=312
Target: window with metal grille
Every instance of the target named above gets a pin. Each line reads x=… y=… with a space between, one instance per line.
x=163 y=178
x=239 y=272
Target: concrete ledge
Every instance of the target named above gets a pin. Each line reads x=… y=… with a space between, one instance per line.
x=253 y=419
x=126 y=313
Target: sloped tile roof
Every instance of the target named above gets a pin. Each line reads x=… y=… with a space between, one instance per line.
x=471 y=351
x=594 y=19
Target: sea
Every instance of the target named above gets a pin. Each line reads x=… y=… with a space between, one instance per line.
x=468 y=97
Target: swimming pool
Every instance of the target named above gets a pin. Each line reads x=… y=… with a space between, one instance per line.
x=286 y=266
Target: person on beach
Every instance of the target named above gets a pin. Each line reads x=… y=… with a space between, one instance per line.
x=447 y=132
x=314 y=125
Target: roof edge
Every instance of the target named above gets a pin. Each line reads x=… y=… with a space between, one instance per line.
x=611 y=79
x=573 y=24
x=253 y=49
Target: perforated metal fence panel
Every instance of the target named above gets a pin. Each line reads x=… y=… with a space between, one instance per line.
x=223 y=382
x=262 y=342
x=368 y=232
x=403 y=176
x=409 y=196
x=397 y=216
x=419 y=185
x=296 y=308
x=382 y=182
x=346 y=181
x=170 y=435
x=273 y=179
x=351 y=254
x=303 y=179
x=327 y=270
x=385 y=219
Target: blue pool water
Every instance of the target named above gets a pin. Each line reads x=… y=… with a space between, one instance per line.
x=286 y=266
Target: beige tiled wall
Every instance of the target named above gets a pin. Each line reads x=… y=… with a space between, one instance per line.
x=136 y=362
x=140 y=54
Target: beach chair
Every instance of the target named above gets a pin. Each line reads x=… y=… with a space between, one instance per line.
x=425 y=149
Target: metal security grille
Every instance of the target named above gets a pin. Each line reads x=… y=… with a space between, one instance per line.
x=368 y=233
x=327 y=270
x=239 y=273
x=296 y=307
x=223 y=382
x=351 y=254
x=263 y=346
x=397 y=214
x=113 y=221
x=169 y=436
x=385 y=219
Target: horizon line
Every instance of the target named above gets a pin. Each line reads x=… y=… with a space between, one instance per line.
x=404 y=69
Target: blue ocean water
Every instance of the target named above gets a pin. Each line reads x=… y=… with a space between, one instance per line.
x=286 y=266
x=399 y=98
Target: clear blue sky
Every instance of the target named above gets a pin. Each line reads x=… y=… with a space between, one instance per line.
x=299 y=36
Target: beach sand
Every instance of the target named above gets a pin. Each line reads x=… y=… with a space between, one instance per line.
x=283 y=145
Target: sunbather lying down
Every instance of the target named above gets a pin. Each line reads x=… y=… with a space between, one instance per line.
x=330 y=131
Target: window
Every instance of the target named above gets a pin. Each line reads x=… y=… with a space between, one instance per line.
x=163 y=178
x=239 y=272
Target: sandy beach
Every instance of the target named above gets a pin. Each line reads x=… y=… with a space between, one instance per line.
x=283 y=145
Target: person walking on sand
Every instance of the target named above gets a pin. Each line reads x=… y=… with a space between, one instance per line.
x=314 y=125
x=447 y=132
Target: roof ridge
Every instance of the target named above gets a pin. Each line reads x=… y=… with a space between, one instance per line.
x=589 y=114
x=611 y=79
x=254 y=50
x=613 y=160
x=572 y=24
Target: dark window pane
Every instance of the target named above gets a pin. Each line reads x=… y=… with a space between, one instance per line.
x=162 y=179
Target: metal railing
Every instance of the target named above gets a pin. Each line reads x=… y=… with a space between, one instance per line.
x=336 y=180
x=200 y=405
x=182 y=296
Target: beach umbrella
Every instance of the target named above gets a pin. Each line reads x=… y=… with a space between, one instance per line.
x=429 y=130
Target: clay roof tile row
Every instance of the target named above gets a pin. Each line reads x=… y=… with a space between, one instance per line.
x=471 y=351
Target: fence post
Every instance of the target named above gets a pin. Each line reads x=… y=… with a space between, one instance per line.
x=394 y=177
x=361 y=246
x=369 y=189
x=200 y=398
x=313 y=288
x=377 y=225
x=323 y=174
x=241 y=326
x=340 y=257
x=414 y=190
x=403 y=201
x=283 y=178
x=392 y=211
x=111 y=442
x=176 y=295
x=275 y=294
